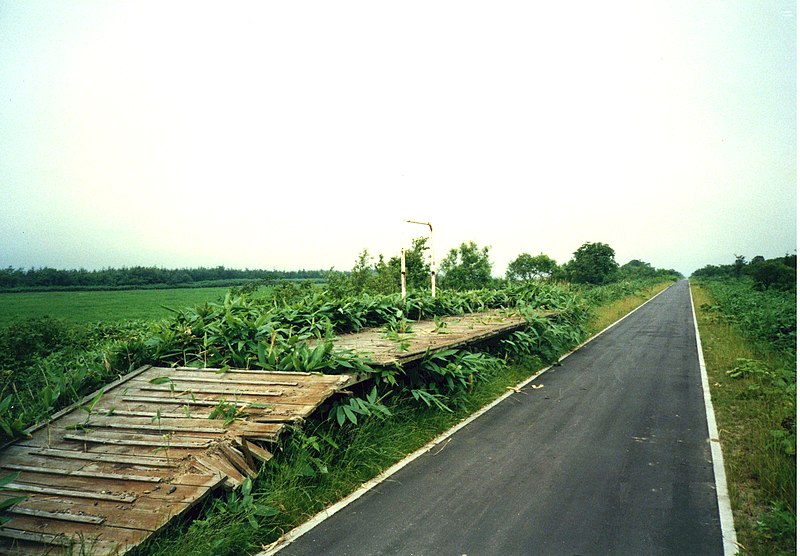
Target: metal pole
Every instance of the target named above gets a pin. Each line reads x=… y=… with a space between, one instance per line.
x=403 y=272
x=433 y=265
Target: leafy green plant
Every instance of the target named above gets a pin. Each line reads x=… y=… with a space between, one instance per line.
x=748 y=368
x=12 y=426
x=778 y=523
x=370 y=405
x=228 y=412
x=243 y=502
x=8 y=503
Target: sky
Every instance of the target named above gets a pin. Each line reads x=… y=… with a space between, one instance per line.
x=289 y=135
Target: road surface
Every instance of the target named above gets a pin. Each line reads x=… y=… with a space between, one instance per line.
x=610 y=456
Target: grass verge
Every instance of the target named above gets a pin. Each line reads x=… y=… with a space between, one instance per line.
x=751 y=412
x=609 y=313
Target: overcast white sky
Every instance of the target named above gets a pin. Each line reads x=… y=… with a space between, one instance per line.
x=295 y=134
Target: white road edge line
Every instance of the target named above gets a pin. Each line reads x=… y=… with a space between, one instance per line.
x=292 y=535
x=729 y=545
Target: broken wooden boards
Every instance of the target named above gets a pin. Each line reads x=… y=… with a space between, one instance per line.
x=110 y=471
x=118 y=466
x=386 y=348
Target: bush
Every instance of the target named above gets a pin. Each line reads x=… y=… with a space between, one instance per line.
x=24 y=341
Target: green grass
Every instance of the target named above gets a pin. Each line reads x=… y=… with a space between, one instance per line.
x=107 y=306
x=752 y=414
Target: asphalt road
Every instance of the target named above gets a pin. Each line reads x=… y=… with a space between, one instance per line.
x=611 y=456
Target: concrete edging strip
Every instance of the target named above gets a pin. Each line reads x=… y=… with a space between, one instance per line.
x=729 y=545
x=290 y=537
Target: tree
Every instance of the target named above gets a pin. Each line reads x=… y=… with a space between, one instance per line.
x=362 y=271
x=592 y=263
x=527 y=267
x=738 y=265
x=418 y=269
x=418 y=265
x=466 y=268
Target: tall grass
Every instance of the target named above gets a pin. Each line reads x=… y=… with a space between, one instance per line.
x=753 y=389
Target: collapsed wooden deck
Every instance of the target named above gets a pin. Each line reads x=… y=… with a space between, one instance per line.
x=112 y=473
x=146 y=452
x=384 y=348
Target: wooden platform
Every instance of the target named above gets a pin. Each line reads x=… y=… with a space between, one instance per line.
x=159 y=440
x=147 y=452
x=384 y=348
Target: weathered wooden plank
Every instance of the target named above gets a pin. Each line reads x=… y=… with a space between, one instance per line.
x=184 y=377
x=183 y=426
x=425 y=338
x=238 y=460
x=233 y=390
x=39 y=538
x=60 y=516
x=79 y=473
x=84 y=462
x=178 y=409
x=255 y=451
x=171 y=454
x=231 y=372
x=156 y=441
x=120 y=459
x=209 y=402
x=148 y=517
x=240 y=399
x=96 y=539
x=305 y=388
x=182 y=487
x=275 y=378
x=220 y=464
x=33 y=489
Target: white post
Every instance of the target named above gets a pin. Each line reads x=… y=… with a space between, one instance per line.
x=433 y=265
x=403 y=272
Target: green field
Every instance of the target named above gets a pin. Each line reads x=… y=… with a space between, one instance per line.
x=94 y=306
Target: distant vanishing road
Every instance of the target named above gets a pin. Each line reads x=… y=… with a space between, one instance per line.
x=611 y=456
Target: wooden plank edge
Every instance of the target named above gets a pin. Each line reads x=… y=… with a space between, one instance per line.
x=30 y=430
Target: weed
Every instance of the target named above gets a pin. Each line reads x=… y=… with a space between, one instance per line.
x=8 y=503
x=753 y=389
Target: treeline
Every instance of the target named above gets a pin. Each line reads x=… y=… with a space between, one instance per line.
x=778 y=273
x=469 y=267
x=46 y=278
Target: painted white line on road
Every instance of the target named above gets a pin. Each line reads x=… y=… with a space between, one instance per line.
x=729 y=544
x=292 y=535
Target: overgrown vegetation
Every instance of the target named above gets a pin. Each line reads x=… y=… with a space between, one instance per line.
x=749 y=333
x=47 y=364
x=50 y=363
